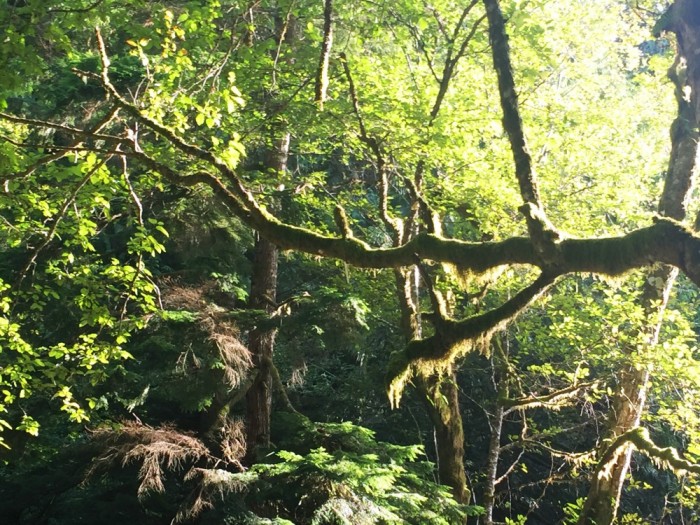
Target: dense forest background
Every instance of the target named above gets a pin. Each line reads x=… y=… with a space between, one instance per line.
x=331 y=262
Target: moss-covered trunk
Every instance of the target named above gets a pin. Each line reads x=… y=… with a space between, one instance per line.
x=441 y=401
x=439 y=395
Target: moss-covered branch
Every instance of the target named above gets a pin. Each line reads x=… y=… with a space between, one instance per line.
x=453 y=338
x=537 y=223
x=512 y=121
x=666 y=241
x=639 y=439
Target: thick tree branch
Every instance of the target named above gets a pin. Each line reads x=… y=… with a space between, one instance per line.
x=512 y=121
x=666 y=241
x=681 y=171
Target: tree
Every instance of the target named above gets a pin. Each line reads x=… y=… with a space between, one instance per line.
x=604 y=497
x=166 y=110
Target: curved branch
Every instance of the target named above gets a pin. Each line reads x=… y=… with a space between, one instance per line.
x=666 y=241
x=60 y=153
x=194 y=151
x=393 y=225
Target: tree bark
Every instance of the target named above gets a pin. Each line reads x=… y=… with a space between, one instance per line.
x=261 y=345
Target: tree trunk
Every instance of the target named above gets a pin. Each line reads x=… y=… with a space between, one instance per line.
x=261 y=345
x=439 y=394
x=441 y=401
x=261 y=342
x=628 y=406
x=603 y=498
x=496 y=428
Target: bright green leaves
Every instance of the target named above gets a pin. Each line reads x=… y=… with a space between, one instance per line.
x=145 y=242
x=382 y=482
x=74 y=245
x=18 y=359
x=594 y=110
x=69 y=405
x=29 y=425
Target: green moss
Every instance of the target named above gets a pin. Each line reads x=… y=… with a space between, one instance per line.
x=179 y=316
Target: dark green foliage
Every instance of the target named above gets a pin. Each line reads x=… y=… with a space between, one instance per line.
x=340 y=474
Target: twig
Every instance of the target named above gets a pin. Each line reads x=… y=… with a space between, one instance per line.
x=553 y=400
x=61 y=127
x=395 y=226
